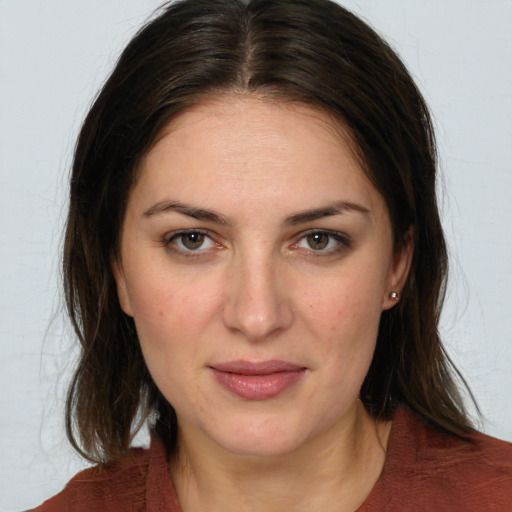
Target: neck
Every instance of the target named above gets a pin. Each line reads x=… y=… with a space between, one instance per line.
x=333 y=472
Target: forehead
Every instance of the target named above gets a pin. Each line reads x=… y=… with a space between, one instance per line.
x=253 y=111
x=241 y=148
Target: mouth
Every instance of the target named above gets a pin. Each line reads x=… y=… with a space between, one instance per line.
x=257 y=381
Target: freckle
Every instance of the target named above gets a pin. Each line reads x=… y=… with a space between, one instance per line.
x=160 y=313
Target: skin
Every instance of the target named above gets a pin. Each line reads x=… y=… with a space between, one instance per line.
x=267 y=283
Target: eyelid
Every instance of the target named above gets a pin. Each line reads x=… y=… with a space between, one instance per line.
x=167 y=241
x=345 y=241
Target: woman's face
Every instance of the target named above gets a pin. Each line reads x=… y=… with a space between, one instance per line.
x=256 y=259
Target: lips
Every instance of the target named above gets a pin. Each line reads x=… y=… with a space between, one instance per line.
x=257 y=381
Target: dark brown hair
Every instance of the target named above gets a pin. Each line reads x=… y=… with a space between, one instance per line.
x=310 y=51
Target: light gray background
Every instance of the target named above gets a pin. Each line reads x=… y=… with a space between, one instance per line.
x=53 y=56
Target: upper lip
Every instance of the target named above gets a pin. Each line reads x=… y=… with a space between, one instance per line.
x=261 y=368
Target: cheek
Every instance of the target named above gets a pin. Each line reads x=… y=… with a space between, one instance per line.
x=170 y=323
x=344 y=315
x=169 y=313
x=347 y=306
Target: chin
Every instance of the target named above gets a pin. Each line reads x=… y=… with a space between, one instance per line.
x=263 y=437
x=261 y=446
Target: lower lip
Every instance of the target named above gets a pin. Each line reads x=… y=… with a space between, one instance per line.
x=258 y=387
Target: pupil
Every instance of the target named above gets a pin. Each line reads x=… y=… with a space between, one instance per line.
x=193 y=240
x=318 y=240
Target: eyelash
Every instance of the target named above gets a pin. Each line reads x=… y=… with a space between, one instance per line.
x=342 y=239
x=169 y=239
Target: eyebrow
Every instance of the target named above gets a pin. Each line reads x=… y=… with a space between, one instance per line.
x=330 y=210
x=327 y=211
x=188 y=210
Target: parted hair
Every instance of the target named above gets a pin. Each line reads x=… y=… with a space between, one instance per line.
x=309 y=51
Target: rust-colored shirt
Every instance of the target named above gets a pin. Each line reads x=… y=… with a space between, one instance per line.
x=425 y=470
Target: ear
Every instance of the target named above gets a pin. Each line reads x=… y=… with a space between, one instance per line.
x=122 y=291
x=399 y=270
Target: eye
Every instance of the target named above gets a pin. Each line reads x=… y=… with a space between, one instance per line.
x=318 y=241
x=323 y=241
x=190 y=241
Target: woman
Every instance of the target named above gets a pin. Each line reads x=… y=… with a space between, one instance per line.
x=254 y=260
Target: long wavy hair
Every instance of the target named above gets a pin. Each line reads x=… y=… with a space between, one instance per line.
x=309 y=51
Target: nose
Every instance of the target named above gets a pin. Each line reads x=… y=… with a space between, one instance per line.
x=256 y=304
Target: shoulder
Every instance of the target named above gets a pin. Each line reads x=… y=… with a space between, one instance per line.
x=126 y=485
x=449 y=473
x=475 y=457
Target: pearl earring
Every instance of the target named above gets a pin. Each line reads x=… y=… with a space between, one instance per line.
x=394 y=296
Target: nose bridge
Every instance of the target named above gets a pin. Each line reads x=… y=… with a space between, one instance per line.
x=256 y=305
